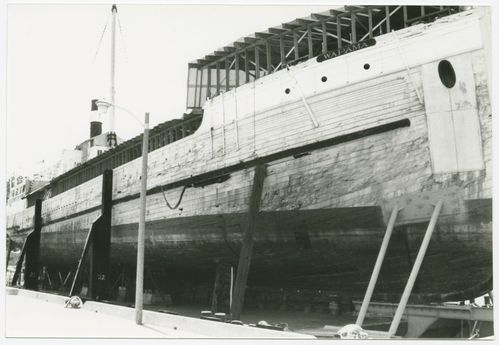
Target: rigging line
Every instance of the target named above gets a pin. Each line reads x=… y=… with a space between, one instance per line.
x=100 y=40
x=179 y=199
x=125 y=51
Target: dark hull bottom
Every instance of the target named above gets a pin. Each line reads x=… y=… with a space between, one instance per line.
x=332 y=250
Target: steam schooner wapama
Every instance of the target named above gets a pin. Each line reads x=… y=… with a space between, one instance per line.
x=351 y=112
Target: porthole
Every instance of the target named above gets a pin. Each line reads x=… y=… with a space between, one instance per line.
x=446 y=74
x=287 y=91
x=367 y=66
x=324 y=79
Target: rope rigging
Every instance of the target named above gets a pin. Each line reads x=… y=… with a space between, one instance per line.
x=100 y=40
x=179 y=199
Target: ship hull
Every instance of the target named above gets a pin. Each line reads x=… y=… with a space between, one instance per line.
x=323 y=208
x=310 y=249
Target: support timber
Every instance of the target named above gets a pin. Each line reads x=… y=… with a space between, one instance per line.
x=98 y=247
x=248 y=241
x=32 y=253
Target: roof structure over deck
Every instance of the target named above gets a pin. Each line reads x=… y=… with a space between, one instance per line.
x=267 y=51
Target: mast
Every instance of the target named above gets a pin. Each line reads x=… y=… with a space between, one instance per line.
x=114 y=10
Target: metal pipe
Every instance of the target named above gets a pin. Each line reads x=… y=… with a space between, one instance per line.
x=415 y=270
x=377 y=267
x=139 y=287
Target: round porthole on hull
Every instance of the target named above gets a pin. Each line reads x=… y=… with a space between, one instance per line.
x=447 y=74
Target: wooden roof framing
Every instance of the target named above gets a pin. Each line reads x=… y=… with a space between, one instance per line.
x=269 y=50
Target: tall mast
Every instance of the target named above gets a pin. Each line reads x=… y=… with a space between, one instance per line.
x=114 y=10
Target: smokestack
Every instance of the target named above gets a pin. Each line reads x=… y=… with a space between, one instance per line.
x=95 y=128
x=95 y=123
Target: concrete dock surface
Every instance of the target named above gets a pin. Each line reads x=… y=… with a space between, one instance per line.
x=32 y=314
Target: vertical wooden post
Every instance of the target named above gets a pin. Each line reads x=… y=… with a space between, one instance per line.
x=353 y=23
x=227 y=74
x=268 y=52
x=370 y=21
x=246 y=65
x=208 y=82
x=236 y=63
x=101 y=242
x=257 y=63
x=218 y=78
x=295 y=45
x=324 y=37
x=139 y=279
x=404 y=10
x=310 y=42
x=33 y=250
x=281 y=50
x=247 y=246
x=338 y=30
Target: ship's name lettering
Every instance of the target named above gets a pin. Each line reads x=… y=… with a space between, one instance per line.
x=347 y=49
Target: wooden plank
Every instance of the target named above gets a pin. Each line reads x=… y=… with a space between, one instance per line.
x=281 y=50
x=310 y=42
x=387 y=14
x=247 y=247
x=257 y=63
x=268 y=53
x=324 y=37
x=370 y=21
x=353 y=21
x=295 y=45
x=338 y=32
x=236 y=63
x=32 y=264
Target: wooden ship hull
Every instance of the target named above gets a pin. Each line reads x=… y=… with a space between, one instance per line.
x=339 y=154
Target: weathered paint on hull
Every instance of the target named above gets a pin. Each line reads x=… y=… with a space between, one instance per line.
x=303 y=249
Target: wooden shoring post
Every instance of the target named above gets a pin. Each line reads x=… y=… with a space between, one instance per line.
x=404 y=10
x=218 y=78
x=257 y=62
x=338 y=30
x=415 y=270
x=422 y=11
x=281 y=50
x=246 y=65
x=98 y=247
x=353 y=24
x=236 y=64
x=247 y=245
x=387 y=14
x=310 y=42
x=19 y=263
x=295 y=45
x=377 y=266
x=324 y=37
x=370 y=21
x=227 y=74
x=268 y=52
x=9 y=249
x=32 y=258
x=101 y=243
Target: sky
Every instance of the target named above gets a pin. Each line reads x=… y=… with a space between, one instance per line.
x=55 y=66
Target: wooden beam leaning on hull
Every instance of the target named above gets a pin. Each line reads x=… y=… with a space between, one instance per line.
x=247 y=247
x=31 y=253
x=98 y=244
